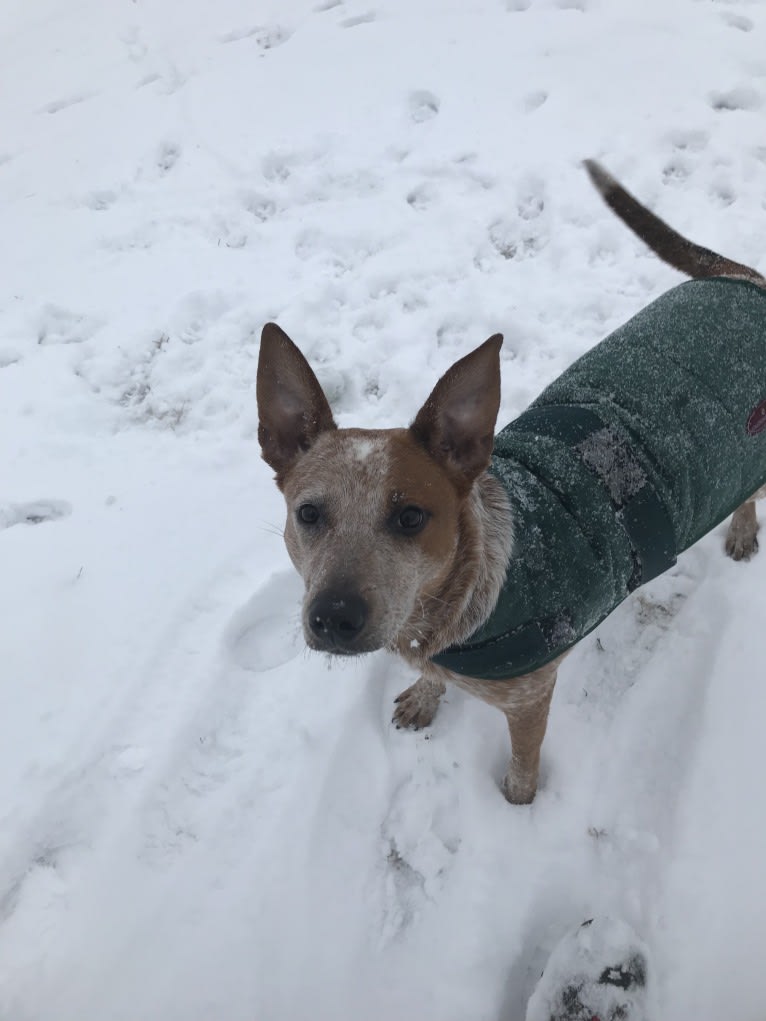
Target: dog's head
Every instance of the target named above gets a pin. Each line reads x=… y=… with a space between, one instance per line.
x=376 y=518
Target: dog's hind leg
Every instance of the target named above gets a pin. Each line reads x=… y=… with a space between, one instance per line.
x=741 y=539
x=524 y=701
x=527 y=716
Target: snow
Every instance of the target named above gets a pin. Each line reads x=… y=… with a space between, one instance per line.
x=200 y=819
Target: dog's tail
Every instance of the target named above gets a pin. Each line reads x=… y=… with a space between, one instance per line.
x=694 y=260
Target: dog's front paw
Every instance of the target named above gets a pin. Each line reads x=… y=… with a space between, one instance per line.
x=416 y=707
x=741 y=546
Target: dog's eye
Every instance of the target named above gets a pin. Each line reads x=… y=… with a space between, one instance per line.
x=411 y=520
x=308 y=514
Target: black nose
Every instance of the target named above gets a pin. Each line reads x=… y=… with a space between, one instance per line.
x=337 y=619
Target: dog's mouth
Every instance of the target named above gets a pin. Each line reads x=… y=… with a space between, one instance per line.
x=337 y=649
x=340 y=646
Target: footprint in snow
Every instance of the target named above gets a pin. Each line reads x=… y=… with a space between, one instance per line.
x=676 y=170
x=420 y=841
x=686 y=143
x=276 y=167
x=33 y=513
x=512 y=239
x=148 y=79
x=738 y=21
x=360 y=19
x=57 y=325
x=134 y=43
x=422 y=196
x=63 y=104
x=38 y=884
x=167 y=156
x=8 y=356
x=534 y=100
x=423 y=105
x=258 y=205
x=266 y=633
x=266 y=37
x=523 y=235
x=100 y=200
x=722 y=194
x=742 y=98
x=689 y=140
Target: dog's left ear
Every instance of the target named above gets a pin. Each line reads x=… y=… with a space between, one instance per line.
x=292 y=407
x=456 y=425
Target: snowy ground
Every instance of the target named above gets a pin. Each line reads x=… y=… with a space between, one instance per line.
x=200 y=820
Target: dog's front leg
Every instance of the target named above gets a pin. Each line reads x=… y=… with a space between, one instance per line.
x=417 y=705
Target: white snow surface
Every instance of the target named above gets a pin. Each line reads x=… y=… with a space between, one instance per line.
x=200 y=819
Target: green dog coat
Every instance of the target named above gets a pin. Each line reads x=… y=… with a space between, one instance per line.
x=641 y=447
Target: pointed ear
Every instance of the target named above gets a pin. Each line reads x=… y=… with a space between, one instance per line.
x=456 y=425
x=292 y=408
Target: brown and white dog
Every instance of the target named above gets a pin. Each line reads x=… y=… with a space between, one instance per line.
x=402 y=537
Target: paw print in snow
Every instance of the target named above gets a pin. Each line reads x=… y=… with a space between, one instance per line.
x=58 y=325
x=423 y=105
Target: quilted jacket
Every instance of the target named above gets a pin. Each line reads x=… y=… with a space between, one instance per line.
x=647 y=442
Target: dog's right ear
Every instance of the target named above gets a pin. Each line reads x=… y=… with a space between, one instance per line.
x=292 y=407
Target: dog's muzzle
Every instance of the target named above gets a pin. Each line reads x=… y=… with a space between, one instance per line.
x=337 y=622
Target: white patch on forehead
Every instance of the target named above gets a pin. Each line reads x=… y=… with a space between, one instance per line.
x=360 y=484
x=363 y=447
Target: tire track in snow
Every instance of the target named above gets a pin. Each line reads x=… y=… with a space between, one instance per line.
x=207 y=768
x=134 y=794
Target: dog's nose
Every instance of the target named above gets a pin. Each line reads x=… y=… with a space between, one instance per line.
x=337 y=619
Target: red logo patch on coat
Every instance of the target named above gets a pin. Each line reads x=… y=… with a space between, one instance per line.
x=756 y=422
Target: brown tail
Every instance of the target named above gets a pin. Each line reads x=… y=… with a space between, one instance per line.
x=694 y=260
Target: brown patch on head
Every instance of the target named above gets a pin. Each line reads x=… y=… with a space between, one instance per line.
x=414 y=479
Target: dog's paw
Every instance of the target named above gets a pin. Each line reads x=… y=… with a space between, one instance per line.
x=518 y=790
x=415 y=707
x=741 y=544
x=741 y=539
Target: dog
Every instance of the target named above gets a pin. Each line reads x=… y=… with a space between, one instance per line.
x=482 y=560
